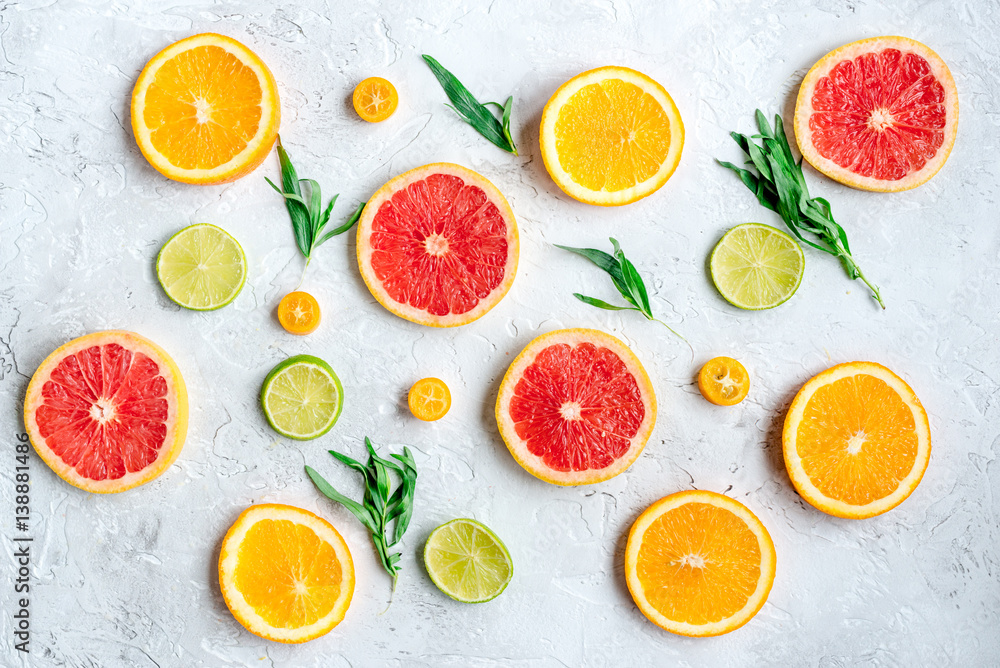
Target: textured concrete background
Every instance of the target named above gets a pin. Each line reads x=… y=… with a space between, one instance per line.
x=130 y=580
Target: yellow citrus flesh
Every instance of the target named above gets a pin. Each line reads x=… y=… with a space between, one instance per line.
x=107 y=411
x=285 y=573
x=724 y=381
x=375 y=99
x=856 y=440
x=611 y=136
x=878 y=114
x=205 y=110
x=699 y=563
x=429 y=399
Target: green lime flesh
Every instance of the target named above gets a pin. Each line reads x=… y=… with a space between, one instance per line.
x=467 y=561
x=756 y=266
x=202 y=267
x=302 y=397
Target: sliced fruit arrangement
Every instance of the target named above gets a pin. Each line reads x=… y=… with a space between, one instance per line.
x=429 y=399
x=467 y=561
x=302 y=397
x=756 y=266
x=576 y=407
x=438 y=245
x=285 y=573
x=611 y=136
x=202 y=267
x=699 y=563
x=878 y=114
x=298 y=313
x=375 y=99
x=856 y=440
x=205 y=110
x=724 y=381
x=107 y=411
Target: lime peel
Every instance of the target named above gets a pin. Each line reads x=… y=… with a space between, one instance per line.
x=756 y=266
x=201 y=267
x=467 y=561
x=302 y=397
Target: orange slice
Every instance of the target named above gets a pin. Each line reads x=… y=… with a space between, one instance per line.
x=856 y=440
x=285 y=573
x=375 y=99
x=724 y=381
x=611 y=136
x=878 y=114
x=699 y=563
x=205 y=110
x=298 y=313
x=575 y=407
x=429 y=399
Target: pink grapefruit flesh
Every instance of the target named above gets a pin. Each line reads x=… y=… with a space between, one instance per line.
x=576 y=407
x=107 y=411
x=438 y=245
x=879 y=114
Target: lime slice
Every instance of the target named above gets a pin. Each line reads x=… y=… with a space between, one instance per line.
x=302 y=397
x=756 y=266
x=467 y=561
x=202 y=267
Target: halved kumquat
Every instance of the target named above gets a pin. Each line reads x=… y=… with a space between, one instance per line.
x=724 y=381
x=298 y=313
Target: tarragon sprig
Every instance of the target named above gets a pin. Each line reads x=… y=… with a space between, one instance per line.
x=473 y=112
x=381 y=506
x=780 y=186
x=626 y=279
x=304 y=200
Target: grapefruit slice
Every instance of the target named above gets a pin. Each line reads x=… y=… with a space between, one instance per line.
x=576 y=407
x=107 y=411
x=438 y=245
x=878 y=114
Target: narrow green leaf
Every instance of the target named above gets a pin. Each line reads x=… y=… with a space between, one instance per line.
x=594 y=301
x=289 y=178
x=606 y=262
x=321 y=224
x=363 y=514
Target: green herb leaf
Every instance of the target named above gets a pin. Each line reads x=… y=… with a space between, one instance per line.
x=472 y=111
x=780 y=185
x=305 y=207
x=626 y=279
x=381 y=506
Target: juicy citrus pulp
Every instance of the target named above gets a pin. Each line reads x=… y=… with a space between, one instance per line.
x=107 y=411
x=878 y=114
x=298 y=313
x=756 y=266
x=856 y=440
x=724 y=381
x=467 y=561
x=285 y=573
x=699 y=563
x=438 y=245
x=611 y=136
x=202 y=267
x=375 y=99
x=302 y=397
x=429 y=399
x=575 y=407
x=205 y=110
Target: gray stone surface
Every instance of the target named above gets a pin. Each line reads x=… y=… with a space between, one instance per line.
x=130 y=580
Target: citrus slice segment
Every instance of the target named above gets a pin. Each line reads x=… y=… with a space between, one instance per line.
x=575 y=407
x=878 y=114
x=429 y=399
x=375 y=99
x=205 y=110
x=724 y=381
x=302 y=397
x=107 y=411
x=699 y=563
x=285 y=573
x=438 y=245
x=611 y=136
x=856 y=440
x=202 y=267
x=298 y=313
x=467 y=561
x=756 y=266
